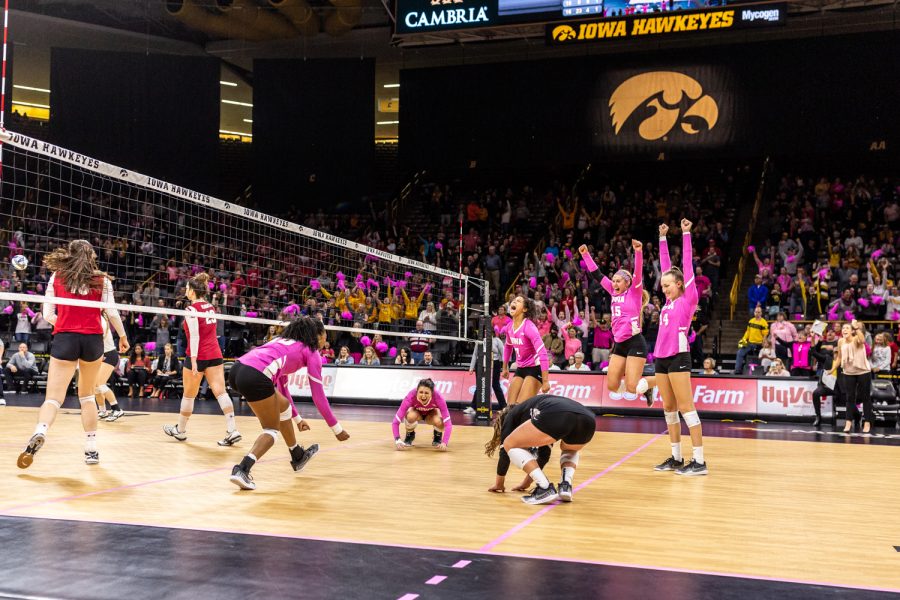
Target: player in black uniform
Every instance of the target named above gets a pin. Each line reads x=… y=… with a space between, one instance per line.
x=537 y=422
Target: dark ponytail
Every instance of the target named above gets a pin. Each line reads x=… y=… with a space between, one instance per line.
x=306 y=330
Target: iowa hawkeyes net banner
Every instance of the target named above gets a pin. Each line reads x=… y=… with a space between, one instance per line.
x=657 y=109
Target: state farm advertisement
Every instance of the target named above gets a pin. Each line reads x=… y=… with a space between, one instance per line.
x=791 y=398
x=711 y=394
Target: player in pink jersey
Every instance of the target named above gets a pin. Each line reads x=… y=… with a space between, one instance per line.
x=629 y=353
x=673 y=356
x=423 y=404
x=532 y=365
x=255 y=376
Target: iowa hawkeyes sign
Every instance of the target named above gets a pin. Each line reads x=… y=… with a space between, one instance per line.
x=670 y=100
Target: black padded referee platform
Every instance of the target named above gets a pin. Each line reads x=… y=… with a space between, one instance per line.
x=53 y=559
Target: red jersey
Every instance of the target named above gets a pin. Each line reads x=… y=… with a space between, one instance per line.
x=75 y=319
x=201 y=332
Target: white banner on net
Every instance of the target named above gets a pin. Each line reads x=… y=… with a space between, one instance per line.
x=92 y=164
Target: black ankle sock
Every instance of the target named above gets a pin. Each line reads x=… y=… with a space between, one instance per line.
x=113 y=407
x=247 y=464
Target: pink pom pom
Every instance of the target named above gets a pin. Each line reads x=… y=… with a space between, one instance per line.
x=550 y=258
x=408 y=275
x=564 y=279
x=692 y=337
x=577 y=322
x=532 y=283
x=877 y=254
x=4 y=283
x=340 y=276
x=568 y=254
x=212 y=286
x=791 y=258
x=863 y=302
x=848 y=315
x=381 y=347
x=30 y=313
x=341 y=285
x=150 y=347
x=392 y=353
x=604 y=364
x=252 y=314
x=438 y=246
x=877 y=299
x=359 y=280
x=371 y=283
x=427 y=289
x=401 y=285
x=388 y=282
x=583 y=265
x=751 y=249
x=496 y=330
x=30 y=292
x=314 y=284
x=823 y=273
x=223 y=287
x=8 y=310
x=347 y=315
x=140 y=320
x=894 y=316
x=365 y=340
x=833 y=314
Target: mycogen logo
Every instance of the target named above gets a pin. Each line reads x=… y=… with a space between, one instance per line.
x=665 y=92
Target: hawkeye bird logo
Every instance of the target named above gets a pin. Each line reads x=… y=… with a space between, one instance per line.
x=564 y=33
x=667 y=93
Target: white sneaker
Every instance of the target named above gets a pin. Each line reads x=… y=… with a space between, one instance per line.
x=102 y=414
x=231 y=439
x=115 y=415
x=642 y=386
x=469 y=410
x=2 y=401
x=172 y=430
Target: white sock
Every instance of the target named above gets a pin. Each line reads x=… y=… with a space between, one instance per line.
x=676 y=451
x=182 y=423
x=41 y=428
x=90 y=441
x=568 y=474
x=539 y=478
x=698 y=455
x=229 y=422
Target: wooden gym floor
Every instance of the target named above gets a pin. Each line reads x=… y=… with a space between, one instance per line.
x=780 y=514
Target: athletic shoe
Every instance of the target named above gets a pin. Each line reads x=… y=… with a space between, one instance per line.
x=231 y=439
x=642 y=386
x=91 y=458
x=27 y=456
x=410 y=436
x=469 y=410
x=649 y=396
x=172 y=430
x=307 y=455
x=693 y=468
x=115 y=415
x=102 y=414
x=438 y=437
x=541 y=495
x=565 y=491
x=242 y=479
x=670 y=464
x=2 y=401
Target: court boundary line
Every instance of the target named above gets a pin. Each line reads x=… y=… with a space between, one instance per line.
x=529 y=520
x=493 y=554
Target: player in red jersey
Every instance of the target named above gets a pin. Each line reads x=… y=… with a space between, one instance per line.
x=77 y=341
x=204 y=357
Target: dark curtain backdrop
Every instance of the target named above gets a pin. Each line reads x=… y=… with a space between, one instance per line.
x=831 y=96
x=157 y=114
x=313 y=131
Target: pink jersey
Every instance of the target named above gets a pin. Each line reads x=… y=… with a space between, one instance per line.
x=526 y=341
x=281 y=357
x=436 y=403
x=675 y=317
x=626 y=307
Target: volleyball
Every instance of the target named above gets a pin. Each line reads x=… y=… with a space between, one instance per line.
x=19 y=262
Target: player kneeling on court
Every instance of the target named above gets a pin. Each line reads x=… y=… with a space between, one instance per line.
x=542 y=421
x=423 y=404
x=255 y=376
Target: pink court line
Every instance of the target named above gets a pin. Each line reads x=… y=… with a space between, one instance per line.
x=16 y=508
x=462 y=564
x=436 y=580
x=517 y=528
x=408 y=597
x=829 y=584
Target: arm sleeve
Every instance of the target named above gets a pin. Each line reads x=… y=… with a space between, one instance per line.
x=112 y=314
x=535 y=337
x=445 y=417
x=605 y=282
x=638 y=276
x=665 y=263
x=687 y=267
x=49 y=309
x=502 y=463
x=314 y=372
x=509 y=425
x=507 y=352
x=401 y=413
x=193 y=326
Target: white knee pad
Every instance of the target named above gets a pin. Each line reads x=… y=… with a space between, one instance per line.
x=569 y=457
x=286 y=415
x=187 y=406
x=87 y=399
x=271 y=432
x=53 y=403
x=101 y=389
x=410 y=426
x=672 y=417
x=225 y=401
x=691 y=418
x=519 y=457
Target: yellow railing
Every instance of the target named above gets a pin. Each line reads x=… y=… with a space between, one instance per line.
x=742 y=263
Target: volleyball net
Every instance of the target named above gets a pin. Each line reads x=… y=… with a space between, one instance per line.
x=151 y=236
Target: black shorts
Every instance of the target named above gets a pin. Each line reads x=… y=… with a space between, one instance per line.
x=77 y=346
x=524 y=372
x=111 y=358
x=636 y=345
x=250 y=383
x=570 y=427
x=203 y=365
x=680 y=363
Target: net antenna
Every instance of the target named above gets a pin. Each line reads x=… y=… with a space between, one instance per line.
x=152 y=235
